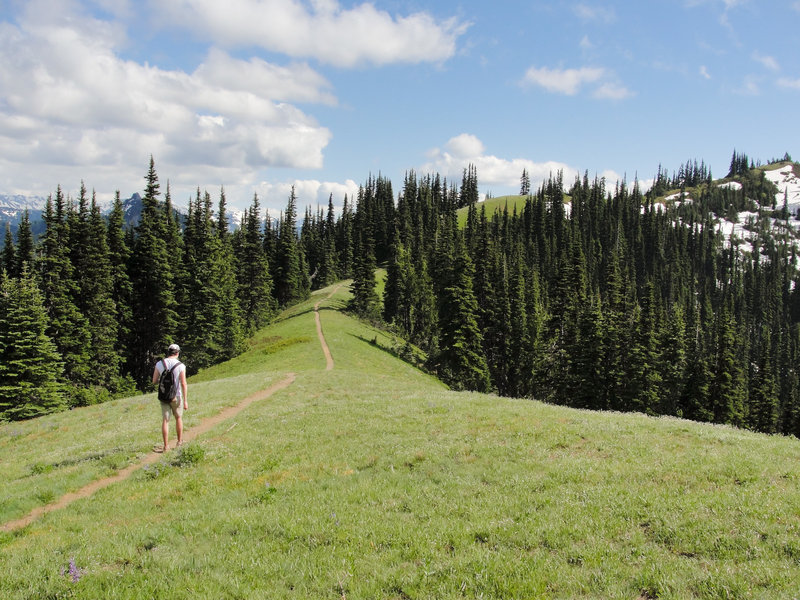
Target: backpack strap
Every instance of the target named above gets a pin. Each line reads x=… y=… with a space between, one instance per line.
x=172 y=368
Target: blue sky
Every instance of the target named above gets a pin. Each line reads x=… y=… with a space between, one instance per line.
x=260 y=95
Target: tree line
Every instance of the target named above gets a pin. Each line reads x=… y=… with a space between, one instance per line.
x=86 y=310
x=620 y=303
x=608 y=301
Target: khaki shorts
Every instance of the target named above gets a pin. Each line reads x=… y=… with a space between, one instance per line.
x=175 y=408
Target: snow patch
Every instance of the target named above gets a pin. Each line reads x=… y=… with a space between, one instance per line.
x=677 y=198
x=730 y=185
x=788 y=185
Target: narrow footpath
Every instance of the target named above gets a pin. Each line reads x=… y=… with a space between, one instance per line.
x=320 y=335
x=190 y=434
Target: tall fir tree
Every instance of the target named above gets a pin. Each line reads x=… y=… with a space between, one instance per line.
x=291 y=282
x=153 y=303
x=30 y=366
x=119 y=255
x=255 y=280
x=9 y=257
x=460 y=361
x=67 y=327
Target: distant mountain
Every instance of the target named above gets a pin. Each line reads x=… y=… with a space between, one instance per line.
x=9 y=204
x=13 y=207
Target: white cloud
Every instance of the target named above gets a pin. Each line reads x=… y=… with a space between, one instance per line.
x=595 y=13
x=309 y=192
x=612 y=91
x=796 y=6
x=586 y=43
x=571 y=81
x=325 y=30
x=297 y=83
x=562 y=81
x=465 y=146
x=67 y=100
x=704 y=72
x=769 y=62
x=493 y=172
x=789 y=83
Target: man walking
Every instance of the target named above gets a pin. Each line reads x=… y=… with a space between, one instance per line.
x=179 y=402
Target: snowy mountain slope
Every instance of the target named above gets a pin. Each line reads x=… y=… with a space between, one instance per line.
x=788 y=184
x=745 y=227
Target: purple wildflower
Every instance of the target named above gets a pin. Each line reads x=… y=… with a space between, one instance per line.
x=74 y=571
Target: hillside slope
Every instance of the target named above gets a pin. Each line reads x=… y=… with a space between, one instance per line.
x=373 y=481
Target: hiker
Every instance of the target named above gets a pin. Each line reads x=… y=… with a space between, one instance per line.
x=177 y=397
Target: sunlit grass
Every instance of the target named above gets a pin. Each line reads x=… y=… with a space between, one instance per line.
x=374 y=481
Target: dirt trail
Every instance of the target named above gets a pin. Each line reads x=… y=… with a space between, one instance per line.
x=325 y=349
x=189 y=435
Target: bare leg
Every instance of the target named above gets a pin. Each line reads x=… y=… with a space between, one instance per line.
x=179 y=429
x=165 y=433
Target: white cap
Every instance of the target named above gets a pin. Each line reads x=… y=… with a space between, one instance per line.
x=174 y=349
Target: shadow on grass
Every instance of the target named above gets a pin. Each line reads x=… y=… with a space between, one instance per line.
x=290 y=315
x=405 y=351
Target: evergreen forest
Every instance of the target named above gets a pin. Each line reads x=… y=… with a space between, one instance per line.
x=591 y=297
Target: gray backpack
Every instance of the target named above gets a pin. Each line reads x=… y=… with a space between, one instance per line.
x=167 y=385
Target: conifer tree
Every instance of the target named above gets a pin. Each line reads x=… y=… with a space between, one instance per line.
x=727 y=390
x=365 y=299
x=30 y=366
x=24 y=258
x=520 y=356
x=673 y=362
x=460 y=361
x=9 y=258
x=121 y=288
x=212 y=313
x=328 y=272
x=222 y=216
x=524 y=183
x=255 y=280
x=764 y=404
x=344 y=240
x=67 y=327
x=96 y=287
x=291 y=282
x=153 y=303
x=644 y=363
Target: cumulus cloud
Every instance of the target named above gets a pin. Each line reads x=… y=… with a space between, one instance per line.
x=570 y=81
x=325 y=30
x=309 y=192
x=67 y=99
x=465 y=149
x=562 y=81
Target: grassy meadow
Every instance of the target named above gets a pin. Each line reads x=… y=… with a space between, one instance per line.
x=374 y=481
x=497 y=205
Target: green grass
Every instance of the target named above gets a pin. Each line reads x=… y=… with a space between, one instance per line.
x=497 y=206
x=374 y=481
